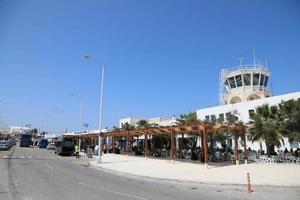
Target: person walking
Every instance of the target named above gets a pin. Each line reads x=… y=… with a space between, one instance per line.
x=77 y=150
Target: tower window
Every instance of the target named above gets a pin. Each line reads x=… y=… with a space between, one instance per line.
x=262 y=79
x=232 y=82
x=255 y=79
x=238 y=80
x=266 y=81
x=247 y=79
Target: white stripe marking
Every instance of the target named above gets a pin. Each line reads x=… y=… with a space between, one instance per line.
x=49 y=166
x=113 y=191
x=5 y=156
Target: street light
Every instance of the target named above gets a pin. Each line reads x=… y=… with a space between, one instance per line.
x=81 y=113
x=87 y=57
x=61 y=118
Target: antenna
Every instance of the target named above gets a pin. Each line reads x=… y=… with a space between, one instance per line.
x=241 y=58
x=254 y=61
x=266 y=63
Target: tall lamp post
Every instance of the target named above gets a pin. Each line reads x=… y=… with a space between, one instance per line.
x=102 y=66
x=81 y=115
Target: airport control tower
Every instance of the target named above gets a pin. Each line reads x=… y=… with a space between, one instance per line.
x=244 y=83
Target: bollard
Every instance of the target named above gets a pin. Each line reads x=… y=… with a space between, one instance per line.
x=248 y=183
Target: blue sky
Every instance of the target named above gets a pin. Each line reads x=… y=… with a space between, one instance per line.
x=162 y=57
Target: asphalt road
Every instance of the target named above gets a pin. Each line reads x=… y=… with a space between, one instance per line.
x=38 y=174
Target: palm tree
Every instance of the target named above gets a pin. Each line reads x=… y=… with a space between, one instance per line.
x=127 y=127
x=290 y=115
x=188 y=119
x=143 y=124
x=265 y=125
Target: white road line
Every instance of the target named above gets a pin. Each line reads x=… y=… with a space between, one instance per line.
x=29 y=157
x=113 y=191
x=49 y=166
x=22 y=157
x=5 y=156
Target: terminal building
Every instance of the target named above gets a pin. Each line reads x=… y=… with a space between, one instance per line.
x=242 y=89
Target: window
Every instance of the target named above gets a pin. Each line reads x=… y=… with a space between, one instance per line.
x=262 y=78
x=227 y=115
x=221 y=116
x=266 y=81
x=213 y=117
x=232 y=82
x=226 y=83
x=251 y=112
x=247 y=79
x=255 y=79
x=238 y=80
x=207 y=117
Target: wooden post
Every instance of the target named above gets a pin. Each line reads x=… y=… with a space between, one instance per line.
x=127 y=144
x=245 y=146
x=172 y=147
x=180 y=146
x=113 y=143
x=205 y=148
x=161 y=144
x=236 y=146
x=202 y=147
x=175 y=149
x=146 y=146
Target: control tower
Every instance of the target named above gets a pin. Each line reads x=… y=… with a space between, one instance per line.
x=244 y=83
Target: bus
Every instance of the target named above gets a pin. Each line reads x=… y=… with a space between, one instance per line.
x=25 y=140
x=64 y=146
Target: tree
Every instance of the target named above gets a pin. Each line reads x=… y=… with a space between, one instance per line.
x=115 y=128
x=290 y=115
x=143 y=123
x=127 y=127
x=265 y=125
x=188 y=119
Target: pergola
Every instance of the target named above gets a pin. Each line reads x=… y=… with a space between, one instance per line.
x=203 y=129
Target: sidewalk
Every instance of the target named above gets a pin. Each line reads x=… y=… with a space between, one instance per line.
x=261 y=174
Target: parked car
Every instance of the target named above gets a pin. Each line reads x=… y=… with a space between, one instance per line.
x=4 y=145
x=43 y=143
x=51 y=146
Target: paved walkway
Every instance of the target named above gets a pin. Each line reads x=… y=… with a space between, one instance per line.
x=261 y=174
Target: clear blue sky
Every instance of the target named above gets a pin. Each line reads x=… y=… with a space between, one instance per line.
x=163 y=57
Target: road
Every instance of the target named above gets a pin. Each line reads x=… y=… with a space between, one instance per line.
x=38 y=174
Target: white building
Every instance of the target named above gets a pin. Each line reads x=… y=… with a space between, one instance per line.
x=156 y=120
x=242 y=89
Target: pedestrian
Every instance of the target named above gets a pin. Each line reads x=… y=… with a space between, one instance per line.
x=77 y=150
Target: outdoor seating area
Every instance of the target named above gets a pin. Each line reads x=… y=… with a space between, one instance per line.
x=186 y=143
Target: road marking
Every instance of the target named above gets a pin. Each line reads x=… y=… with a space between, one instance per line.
x=113 y=191
x=49 y=166
x=5 y=156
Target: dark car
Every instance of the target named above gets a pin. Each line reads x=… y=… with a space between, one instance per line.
x=43 y=143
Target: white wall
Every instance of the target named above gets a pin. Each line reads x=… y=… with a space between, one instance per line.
x=242 y=110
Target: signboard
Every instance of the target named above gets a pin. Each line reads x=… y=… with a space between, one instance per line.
x=102 y=134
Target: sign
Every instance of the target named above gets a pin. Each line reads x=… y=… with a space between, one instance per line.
x=102 y=134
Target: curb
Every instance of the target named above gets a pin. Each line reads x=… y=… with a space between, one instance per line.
x=186 y=181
